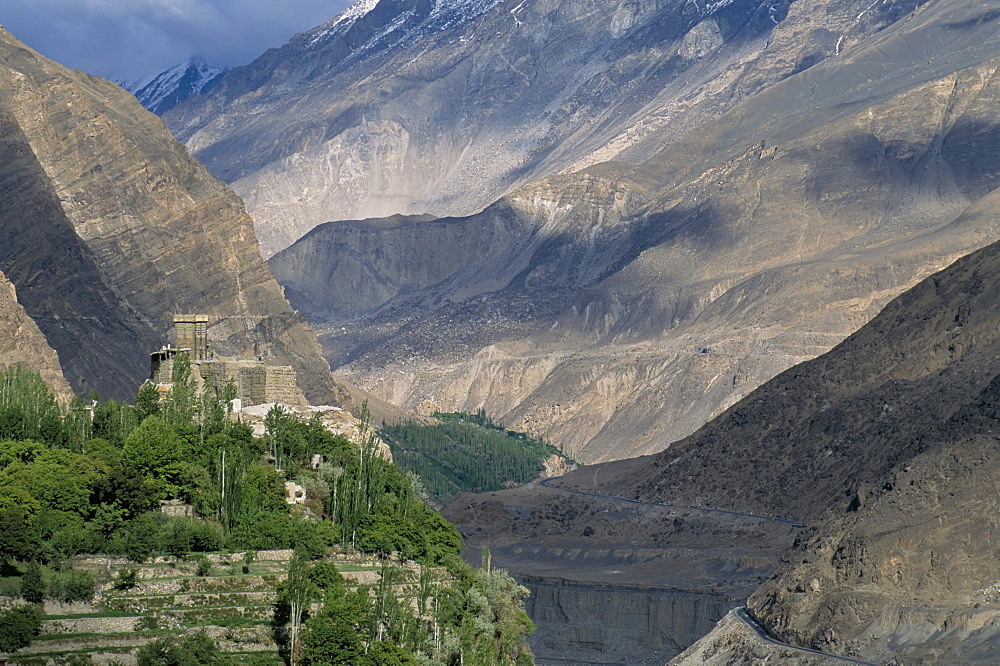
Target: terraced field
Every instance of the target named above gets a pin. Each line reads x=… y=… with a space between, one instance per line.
x=170 y=598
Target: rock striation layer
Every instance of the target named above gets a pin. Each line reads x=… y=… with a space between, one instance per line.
x=21 y=343
x=108 y=227
x=615 y=310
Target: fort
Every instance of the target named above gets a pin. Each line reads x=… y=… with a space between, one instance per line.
x=255 y=381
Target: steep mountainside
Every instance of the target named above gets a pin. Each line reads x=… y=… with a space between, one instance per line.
x=108 y=227
x=22 y=343
x=618 y=309
x=166 y=90
x=887 y=445
x=905 y=563
x=442 y=106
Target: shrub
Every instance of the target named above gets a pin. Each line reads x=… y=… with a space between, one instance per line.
x=18 y=626
x=194 y=649
x=140 y=538
x=32 y=585
x=148 y=623
x=127 y=579
x=248 y=557
x=205 y=536
x=204 y=566
x=73 y=586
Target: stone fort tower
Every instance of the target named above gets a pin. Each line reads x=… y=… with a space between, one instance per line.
x=191 y=333
x=256 y=382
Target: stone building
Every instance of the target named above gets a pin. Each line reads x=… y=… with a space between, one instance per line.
x=191 y=332
x=256 y=382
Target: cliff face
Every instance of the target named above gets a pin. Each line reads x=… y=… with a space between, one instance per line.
x=610 y=624
x=616 y=310
x=109 y=227
x=21 y=343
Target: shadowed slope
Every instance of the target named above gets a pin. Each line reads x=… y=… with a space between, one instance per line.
x=111 y=227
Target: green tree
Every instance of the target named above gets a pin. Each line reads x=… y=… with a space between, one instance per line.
x=32 y=584
x=127 y=489
x=294 y=598
x=248 y=557
x=155 y=450
x=336 y=635
x=28 y=408
x=72 y=586
x=180 y=403
x=385 y=653
x=113 y=421
x=57 y=478
x=193 y=650
x=128 y=579
x=78 y=423
x=140 y=538
x=18 y=626
x=147 y=401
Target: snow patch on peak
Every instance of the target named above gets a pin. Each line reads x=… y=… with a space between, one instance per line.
x=706 y=8
x=356 y=11
x=444 y=15
x=344 y=21
x=181 y=81
x=464 y=8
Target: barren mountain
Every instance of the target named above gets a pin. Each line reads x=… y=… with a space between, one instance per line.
x=886 y=446
x=894 y=436
x=108 y=227
x=617 y=309
x=442 y=106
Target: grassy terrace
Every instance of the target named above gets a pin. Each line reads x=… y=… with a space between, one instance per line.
x=233 y=607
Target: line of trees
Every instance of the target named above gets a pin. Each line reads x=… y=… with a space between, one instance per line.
x=465 y=452
x=469 y=617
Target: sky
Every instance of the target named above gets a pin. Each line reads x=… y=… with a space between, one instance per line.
x=135 y=39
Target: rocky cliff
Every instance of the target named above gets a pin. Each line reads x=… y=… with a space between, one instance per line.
x=617 y=309
x=21 y=343
x=902 y=564
x=108 y=227
x=615 y=581
x=614 y=624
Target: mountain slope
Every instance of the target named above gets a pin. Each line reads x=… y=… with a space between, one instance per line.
x=109 y=227
x=885 y=446
x=616 y=310
x=897 y=431
x=421 y=106
x=167 y=89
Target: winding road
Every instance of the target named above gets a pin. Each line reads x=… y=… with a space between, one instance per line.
x=758 y=630
x=679 y=507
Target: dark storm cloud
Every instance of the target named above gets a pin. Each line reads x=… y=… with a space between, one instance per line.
x=129 y=39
